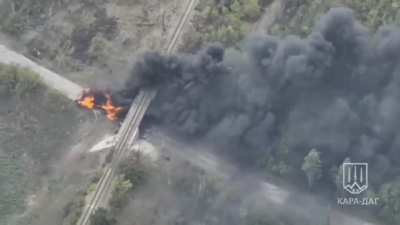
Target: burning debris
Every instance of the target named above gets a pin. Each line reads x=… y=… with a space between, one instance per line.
x=102 y=100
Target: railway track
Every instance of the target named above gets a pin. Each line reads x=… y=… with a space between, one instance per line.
x=126 y=135
x=181 y=24
x=129 y=129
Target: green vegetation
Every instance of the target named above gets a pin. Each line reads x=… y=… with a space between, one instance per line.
x=73 y=210
x=312 y=167
x=133 y=173
x=227 y=23
x=102 y=217
x=133 y=169
x=232 y=21
x=17 y=16
x=17 y=80
x=82 y=39
x=30 y=119
x=21 y=88
x=119 y=197
x=300 y=15
x=278 y=162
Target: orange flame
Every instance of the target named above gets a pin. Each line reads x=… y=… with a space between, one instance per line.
x=111 y=110
x=88 y=100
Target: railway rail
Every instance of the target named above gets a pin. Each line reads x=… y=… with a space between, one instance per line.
x=129 y=129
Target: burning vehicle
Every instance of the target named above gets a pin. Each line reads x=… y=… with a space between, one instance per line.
x=101 y=100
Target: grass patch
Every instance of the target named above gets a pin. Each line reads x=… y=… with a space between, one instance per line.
x=36 y=125
x=18 y=81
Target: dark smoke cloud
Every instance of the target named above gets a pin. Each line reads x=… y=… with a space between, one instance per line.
x=336 y=90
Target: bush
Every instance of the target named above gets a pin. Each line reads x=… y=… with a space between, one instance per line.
x=225 y=22
x=120 y=194
x=132 y=173
x=248 y=10
x=102 y=217
x=99 y=50
x=27 y=81
x=133 y=169
x=17 y=80
x=227 y=35
x=14 y=25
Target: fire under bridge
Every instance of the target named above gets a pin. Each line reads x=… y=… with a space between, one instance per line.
x=128 y=132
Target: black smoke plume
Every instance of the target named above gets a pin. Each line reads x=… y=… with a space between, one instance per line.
x=337 y=90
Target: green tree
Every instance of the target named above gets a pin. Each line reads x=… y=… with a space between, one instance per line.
x=133 y=168
x=102 y=217
x=251 y=10
x=120 y=193
x=312 y=167
x=279 y=162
